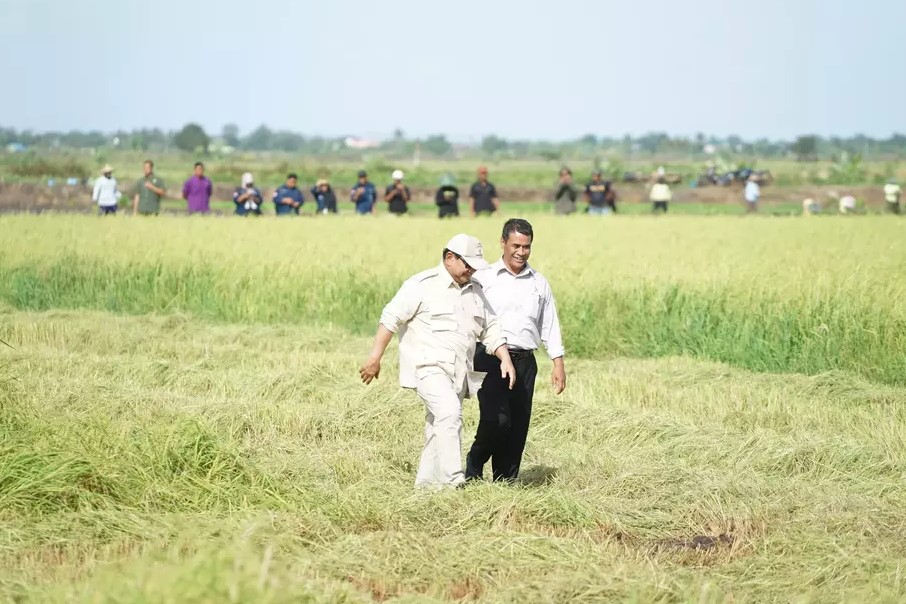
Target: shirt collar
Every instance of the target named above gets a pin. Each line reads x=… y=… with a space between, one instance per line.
x=500 y=266
x=447 y=281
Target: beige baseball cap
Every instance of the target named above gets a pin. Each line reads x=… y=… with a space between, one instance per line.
x=470 y=249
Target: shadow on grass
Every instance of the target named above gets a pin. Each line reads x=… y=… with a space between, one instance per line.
x=537 y=476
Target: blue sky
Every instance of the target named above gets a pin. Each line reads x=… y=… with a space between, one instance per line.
x=523 y=69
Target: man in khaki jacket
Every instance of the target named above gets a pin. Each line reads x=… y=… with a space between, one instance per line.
x=439 y=315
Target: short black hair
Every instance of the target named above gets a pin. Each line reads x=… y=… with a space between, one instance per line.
x=292 y=175
x=517 y=225
x=198 y=163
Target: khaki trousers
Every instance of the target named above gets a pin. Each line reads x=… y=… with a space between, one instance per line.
x=441 y=461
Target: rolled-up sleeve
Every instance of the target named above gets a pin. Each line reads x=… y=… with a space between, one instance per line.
x=402 y=307
x=550 y=327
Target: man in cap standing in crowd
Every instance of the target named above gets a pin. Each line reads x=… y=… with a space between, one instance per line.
x=149 y=190
x=197 y=191
x=892 y=196
x=397 y=194
x=288 y=198
x=483 y=195
x=105 y=193
x=363 y=195
x=522 y=299
x=447 y=197
x=247 y=197
x=439 y=314
x=324 y=197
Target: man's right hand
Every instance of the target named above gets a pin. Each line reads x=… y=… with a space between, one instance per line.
x=149 y=185
x=508 y=371
x=371 y=370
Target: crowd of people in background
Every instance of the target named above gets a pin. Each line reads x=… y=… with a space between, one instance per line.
x=599 y=195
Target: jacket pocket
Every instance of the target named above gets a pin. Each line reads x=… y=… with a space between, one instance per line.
x=443 y=318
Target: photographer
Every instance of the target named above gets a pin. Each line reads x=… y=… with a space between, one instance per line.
x=246 y=197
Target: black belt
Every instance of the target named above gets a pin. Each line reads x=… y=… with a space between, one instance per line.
x=517 y=354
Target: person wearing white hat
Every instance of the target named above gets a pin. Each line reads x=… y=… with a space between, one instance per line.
x=247 y=197
x=397 y=194
x=106 y=194
x=439 y=315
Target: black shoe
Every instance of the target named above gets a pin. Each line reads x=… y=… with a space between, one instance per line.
x=473 y=472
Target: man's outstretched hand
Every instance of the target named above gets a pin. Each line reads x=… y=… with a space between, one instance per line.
x=371 y=370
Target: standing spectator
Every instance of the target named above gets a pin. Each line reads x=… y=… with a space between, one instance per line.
x=566 y=194
x=892 y=196
x=600 y=195
x=447 y=197
x=324 y=197
x=247 y=197
x=149 y=190
x=363 y=194
x=594 y=194
x=752 y=194
x=483 y=195
x=660 y=196
x=397 y=194
x=288 y=198
x=105 y=193
x=197 y=191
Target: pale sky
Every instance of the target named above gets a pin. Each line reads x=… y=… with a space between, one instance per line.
x=516 y=68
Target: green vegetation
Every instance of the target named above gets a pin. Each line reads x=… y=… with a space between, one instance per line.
x=181 y=418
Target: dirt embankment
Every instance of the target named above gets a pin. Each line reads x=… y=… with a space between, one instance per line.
x=77 y=198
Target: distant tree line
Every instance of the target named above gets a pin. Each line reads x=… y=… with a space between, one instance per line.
x=193 y=138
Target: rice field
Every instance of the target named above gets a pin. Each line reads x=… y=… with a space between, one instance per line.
x=181 y=419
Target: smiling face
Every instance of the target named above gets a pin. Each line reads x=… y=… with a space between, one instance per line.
x=516 y=251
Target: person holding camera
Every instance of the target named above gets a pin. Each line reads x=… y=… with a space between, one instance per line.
x=397 y=195
x=247 y=197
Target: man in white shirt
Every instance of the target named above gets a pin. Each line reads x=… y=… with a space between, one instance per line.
x=523 y=300
x=105 y=192
x=439 y=315
x=892 y=196
x=752 y=194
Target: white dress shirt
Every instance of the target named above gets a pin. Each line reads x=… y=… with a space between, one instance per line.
x=526 y=307
x=438 y=323
x=105 y=192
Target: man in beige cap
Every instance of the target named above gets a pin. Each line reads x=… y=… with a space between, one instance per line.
x=106 y=194
x=439 y=315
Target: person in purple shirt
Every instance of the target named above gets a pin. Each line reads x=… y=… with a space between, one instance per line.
x=197 y=191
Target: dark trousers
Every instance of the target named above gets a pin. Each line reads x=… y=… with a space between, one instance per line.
x=659 y=206
x=505 y=415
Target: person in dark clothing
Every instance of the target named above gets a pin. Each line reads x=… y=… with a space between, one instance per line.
x=447 y=197
x=397 y=195
x=600 y=195
x=483 y=195
x=324 y=197
x=247 y=197
x=566 y=194
x=288 y=198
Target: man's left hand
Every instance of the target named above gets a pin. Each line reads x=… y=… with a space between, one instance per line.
x=558 y=378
